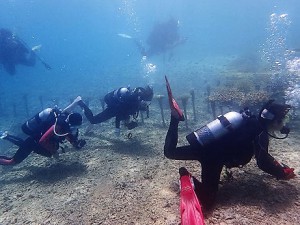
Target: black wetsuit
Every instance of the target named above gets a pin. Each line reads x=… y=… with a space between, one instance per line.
x=13 y=52
x=32 y=143
x=25 y=148
x=235 y=149
x=115 y=108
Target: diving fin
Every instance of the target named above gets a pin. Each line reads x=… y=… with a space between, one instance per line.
x=124 y=35
x=36 y=48
x=190 y=208
x=175 y=110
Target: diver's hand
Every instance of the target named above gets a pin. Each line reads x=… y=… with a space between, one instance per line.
x=288 y=173
x=80 y=144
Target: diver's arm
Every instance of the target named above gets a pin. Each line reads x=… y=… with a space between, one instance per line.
x=118 y=122
x=72 y=138
x=264 y=160
x=74 y=141
x=71 y=107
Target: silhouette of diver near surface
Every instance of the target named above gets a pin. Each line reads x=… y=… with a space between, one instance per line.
x=14 y=51
x=163 y=37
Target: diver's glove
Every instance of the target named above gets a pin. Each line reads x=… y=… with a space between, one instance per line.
x=288 y=172
x=79 y=144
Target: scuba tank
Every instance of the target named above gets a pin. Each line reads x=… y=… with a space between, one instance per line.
x=36 y=124
x=109 y=98
x=216 y=129
x=116 y=97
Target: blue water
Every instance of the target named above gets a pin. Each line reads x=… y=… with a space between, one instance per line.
x=80 y=41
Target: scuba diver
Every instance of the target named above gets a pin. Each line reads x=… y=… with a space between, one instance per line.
x=163 y=37
x=46 y=131
x=231 y=140
x=14 y=51
x=121 y=104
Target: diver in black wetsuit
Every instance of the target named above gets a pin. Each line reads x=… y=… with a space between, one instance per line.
x=163 y=37
x=13 y=52
x=231 y=141
x=122 y=103
x=46 y=130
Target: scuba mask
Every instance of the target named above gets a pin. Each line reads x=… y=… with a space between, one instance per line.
x=277 y=113
x=266 y=114
x=74 y=119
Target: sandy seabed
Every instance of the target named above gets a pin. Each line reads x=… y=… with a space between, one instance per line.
x=116 y=180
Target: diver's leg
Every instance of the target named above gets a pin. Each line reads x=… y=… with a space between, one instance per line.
x=172 y=134
x=107 y=114
x=172 y=137
x=42 y=151
x=28 y=60
x=122 y=117
x=87 y=111
x=24 y=150
x=13 y=139
x=210 y=176
x=187 y=152
x=118 y=122
x=101 y=117
x=22 y=153
x=117 y=125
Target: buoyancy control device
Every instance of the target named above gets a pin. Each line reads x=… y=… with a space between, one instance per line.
x=216 y=129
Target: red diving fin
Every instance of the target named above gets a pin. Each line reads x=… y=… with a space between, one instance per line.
x=175 y=110
x=190 y=208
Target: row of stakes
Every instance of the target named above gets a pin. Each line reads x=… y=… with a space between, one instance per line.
x=211 y=105
x=26 y=105
x=160 y=98
x=184 y=101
